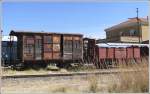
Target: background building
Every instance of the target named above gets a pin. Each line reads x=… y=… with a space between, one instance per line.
x=133 y=30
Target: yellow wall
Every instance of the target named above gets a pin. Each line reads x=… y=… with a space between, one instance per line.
x=145 y=33
x=129 y=39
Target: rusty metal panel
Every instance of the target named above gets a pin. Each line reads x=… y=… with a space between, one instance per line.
x=102 y=53
x=48 y=47
x=56 y=38
x=120 y=53
x=110 y=53
x=56 y=47
x=57 y=55
x=48 y=39
x=130 y=52
x=137 y=52
x=47 y=56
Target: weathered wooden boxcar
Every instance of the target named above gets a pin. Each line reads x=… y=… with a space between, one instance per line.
x=89 y=50
x=41 y=47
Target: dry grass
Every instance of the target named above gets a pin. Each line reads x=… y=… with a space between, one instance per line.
x=93 y=84
x=134 y=82
x=60 y=89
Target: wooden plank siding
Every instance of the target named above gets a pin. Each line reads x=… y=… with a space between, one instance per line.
x=48 y=46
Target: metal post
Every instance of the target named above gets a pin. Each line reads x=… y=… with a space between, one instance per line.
x=9 y=45
x=0 y=43
x=138 y=26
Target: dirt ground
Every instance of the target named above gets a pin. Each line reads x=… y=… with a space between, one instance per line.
x=57 y=84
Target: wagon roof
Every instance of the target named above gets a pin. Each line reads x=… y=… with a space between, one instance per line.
x=110 y=45
x=21 y=32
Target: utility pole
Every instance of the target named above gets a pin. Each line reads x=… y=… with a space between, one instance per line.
x=0 y=44
x=138 y=25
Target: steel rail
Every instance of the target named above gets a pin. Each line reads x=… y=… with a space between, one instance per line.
x=67 y=74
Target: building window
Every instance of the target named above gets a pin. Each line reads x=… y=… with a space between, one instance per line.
x=132 y=32
x=121 y=33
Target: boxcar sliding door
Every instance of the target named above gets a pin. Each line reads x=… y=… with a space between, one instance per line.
x=38 y=47
x=67 y=47
x=28 y=47
x=77 y=48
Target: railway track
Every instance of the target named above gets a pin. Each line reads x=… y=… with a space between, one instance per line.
x=69 y=74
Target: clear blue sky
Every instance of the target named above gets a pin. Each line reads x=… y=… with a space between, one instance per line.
x=89 y=19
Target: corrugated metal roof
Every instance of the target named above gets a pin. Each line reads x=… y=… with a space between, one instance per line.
x=110 y=45
x=129 y=22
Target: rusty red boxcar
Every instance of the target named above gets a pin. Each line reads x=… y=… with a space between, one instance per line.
x=136 y=52
x=102 y=53
x=120 y=53
x=110 y=53
x=130 y=52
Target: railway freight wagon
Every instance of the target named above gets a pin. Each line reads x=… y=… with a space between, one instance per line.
x=8 y=49
x=118 y=53
x=44 y=48
x=88 y=50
